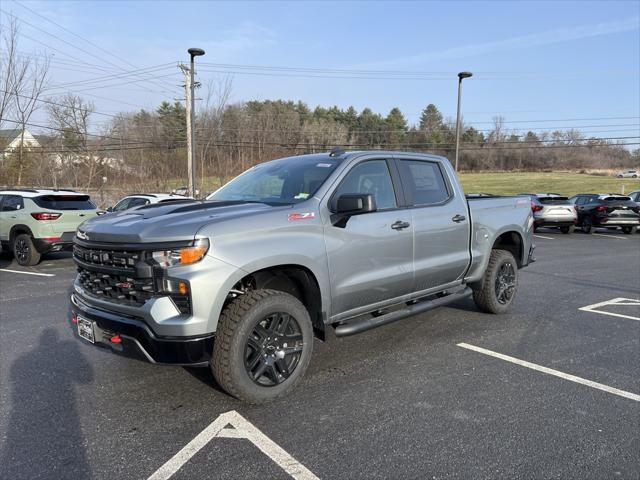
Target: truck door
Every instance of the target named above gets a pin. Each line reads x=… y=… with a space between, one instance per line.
x=371 y=257
x=440 y=221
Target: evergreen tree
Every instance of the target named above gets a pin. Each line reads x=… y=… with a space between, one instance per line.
x=396 y=127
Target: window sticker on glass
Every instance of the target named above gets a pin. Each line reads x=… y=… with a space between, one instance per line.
x=301 y=196
x=324 y=165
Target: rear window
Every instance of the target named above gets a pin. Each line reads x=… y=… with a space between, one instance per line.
x=615 y=199
x=65 y=202
x=551 y=200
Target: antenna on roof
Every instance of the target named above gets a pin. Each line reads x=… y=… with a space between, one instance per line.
x=336 y=151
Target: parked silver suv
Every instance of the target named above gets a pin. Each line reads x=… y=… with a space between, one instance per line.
x=553 y=210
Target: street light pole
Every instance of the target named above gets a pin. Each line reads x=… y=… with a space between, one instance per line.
x=191 y=106
x=461 y=75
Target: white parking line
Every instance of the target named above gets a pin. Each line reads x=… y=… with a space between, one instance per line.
x=242 y=428
x=542 y=236
x=616 y=302
x=550 y=371
x=609 y=236
x=27 y=273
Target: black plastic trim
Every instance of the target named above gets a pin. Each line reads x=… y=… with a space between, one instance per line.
x=158 y=349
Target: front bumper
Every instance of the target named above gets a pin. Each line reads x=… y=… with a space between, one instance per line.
x=137 y=337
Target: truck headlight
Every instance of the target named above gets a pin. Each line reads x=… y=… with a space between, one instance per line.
x=182 y=255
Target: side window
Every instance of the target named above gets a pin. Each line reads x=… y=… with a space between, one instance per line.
x=370 y=177
x=138 y=202
x=122 y=205
x=11 y=203
x=423 y=182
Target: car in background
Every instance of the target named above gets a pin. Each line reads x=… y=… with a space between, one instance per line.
x=183 y=191
x=606 y=210
x=628 y=174
x=142 y=199
x=552 y=210
x=34 y=221
x=635 y=196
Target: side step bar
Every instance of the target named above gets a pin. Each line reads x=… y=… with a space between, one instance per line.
x=364 y=324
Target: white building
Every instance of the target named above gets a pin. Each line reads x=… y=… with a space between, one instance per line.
x=10 y=141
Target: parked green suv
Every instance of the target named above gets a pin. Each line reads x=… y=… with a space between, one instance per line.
x=35 y=222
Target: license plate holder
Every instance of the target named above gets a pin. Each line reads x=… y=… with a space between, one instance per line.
x=85 y=329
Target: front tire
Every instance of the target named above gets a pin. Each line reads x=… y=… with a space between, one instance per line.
x=499 y=285
x=25 y=251
x=263 y=345
x=628 y=230
x=587 y=225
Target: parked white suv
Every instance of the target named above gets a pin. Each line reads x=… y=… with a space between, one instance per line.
x=141 y=199
x=629 y=174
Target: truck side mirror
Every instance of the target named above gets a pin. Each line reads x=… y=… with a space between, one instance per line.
x=351 y=204
x=110 y=209
x=355 y=204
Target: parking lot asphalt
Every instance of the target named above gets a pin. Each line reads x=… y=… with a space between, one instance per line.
x=401 y=401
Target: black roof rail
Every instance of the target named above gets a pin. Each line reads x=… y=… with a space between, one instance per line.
x=142 y=195
x=62 y=190
x=30 y=190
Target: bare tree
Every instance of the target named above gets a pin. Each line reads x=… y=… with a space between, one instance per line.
x=70 y=116
x=210 y=117
x=8 y=64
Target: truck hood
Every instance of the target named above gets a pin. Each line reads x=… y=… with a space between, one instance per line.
x=167 y=222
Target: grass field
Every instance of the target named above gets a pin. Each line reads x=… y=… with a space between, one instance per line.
x=566 y=183
x=509 y=183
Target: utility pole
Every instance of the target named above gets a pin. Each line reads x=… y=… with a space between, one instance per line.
x=190 y=86
x=191 y=174
x=461 y=75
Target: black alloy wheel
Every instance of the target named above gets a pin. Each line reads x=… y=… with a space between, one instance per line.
x=273 y=349
x=21 y=250
x=505 y=283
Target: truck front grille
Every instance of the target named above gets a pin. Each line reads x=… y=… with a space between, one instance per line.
x=108 y=258
x=111 y=275
x=116 y=288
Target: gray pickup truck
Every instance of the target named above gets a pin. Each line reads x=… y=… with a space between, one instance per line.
x=292 y=249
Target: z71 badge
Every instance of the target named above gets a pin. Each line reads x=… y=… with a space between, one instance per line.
x=301 y=216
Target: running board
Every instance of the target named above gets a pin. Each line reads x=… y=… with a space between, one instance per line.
x=364 y=324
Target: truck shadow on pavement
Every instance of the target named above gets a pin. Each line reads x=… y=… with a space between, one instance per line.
x=44 y=435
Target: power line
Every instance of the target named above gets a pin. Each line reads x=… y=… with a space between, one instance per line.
x=310 y=72
x=114 y=76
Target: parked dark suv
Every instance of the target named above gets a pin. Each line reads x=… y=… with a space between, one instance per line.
x=607 y=210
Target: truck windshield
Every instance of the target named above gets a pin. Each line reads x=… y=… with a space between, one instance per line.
x=281 y=182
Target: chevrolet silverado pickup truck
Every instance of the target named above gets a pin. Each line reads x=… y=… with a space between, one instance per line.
x=290 y=250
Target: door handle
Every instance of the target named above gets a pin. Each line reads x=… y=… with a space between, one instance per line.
x=399 y=225
x=459 y=218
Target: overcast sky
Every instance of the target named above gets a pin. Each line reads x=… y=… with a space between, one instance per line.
x=531 y=60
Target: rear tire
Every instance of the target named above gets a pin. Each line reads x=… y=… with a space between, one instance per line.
x=255 y=359
x=25 y=251
x=587 y=225
x=628 y=230
x=499 y=285
x=566 y=230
